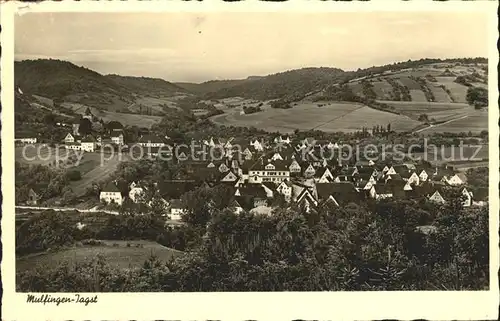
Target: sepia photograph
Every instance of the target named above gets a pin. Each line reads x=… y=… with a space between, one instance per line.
x=252 y=152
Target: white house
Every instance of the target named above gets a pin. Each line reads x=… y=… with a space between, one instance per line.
x=176 y=210
x=294 y=167
x=25 y=140
x=436 y=197
x=326 y=177
x=110 y=194
x=423 y=175
x=73 y=146
x=69 y=138
x=457 y=179
x=285 y=189
x=117 y=138
x=309 y=171
x=88 y=143
x=136 y=192
x=257 y=145
x=229 y=177
x=276 y=172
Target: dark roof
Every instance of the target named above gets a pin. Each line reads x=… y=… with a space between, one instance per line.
x=176 y=203
x=253 y=190
x=110 y=187
x=342 y=192
x=272 y=186
x=260 y=164
x=149 y=138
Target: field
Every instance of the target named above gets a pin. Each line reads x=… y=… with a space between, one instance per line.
x=475 y=121
x=438 y=111
x=41 y=155
x=458 y=91
x=440 y=95
x=126 y=119
x=93 y=171
x=89 y=165
x=117 y=254
x=306 y=115
x=417 y=95
x=465 y=155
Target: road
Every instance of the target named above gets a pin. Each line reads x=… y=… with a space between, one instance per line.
x=67 y=209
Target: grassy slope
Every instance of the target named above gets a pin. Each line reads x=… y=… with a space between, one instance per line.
x=119 y=256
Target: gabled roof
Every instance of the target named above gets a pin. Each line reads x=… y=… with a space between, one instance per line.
x=253 y=190
x=342 y=191
x=111 y=188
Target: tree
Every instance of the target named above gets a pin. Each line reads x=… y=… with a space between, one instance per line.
x=85 y=126
x=477 y=97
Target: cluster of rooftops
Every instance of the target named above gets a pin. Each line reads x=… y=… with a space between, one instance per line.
x=259 y=172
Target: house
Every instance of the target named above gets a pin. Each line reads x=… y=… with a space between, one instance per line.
x=136 y=192
x=381 y=191
x=269 y=188
x=117 y=138
x=457 y=179
x=258 y=146
x=272 y=171
x=176 y=210
x=149 y=140
x=88 y=143
x=422 y=174
x=68 y=139
x=25 y=140
x=436 y=197
x=323 y=175
x=33 y=197
x=237 y=208
x=281 y=140
x=230 y=177
x=285 y=189
x=251 y=196
x=73 y=146
x=276 y=156
x=468 y=197
x=110 y=193
x=309 y=171
x=337 y=193
x=294 y=167
x=306 y=199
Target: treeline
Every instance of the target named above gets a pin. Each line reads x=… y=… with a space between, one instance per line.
x=389 y=245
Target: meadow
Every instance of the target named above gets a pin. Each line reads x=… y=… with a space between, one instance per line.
x=126 y=119
x=120 y=254
x=331 y=117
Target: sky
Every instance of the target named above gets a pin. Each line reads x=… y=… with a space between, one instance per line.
x=199 y=47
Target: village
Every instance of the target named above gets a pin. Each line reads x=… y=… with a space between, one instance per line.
x=262 y=175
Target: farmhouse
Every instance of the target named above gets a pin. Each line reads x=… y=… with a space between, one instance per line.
x=111 y=194
x=88 y=143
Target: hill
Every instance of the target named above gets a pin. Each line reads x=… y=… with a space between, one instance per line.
x=63 y=81
x=210 y=86
x=290 y=85
x=147 y=86
x=293 y=85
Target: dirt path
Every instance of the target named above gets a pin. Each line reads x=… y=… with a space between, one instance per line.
x=446 y=122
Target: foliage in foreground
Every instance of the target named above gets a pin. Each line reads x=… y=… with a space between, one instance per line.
x=376 y=247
